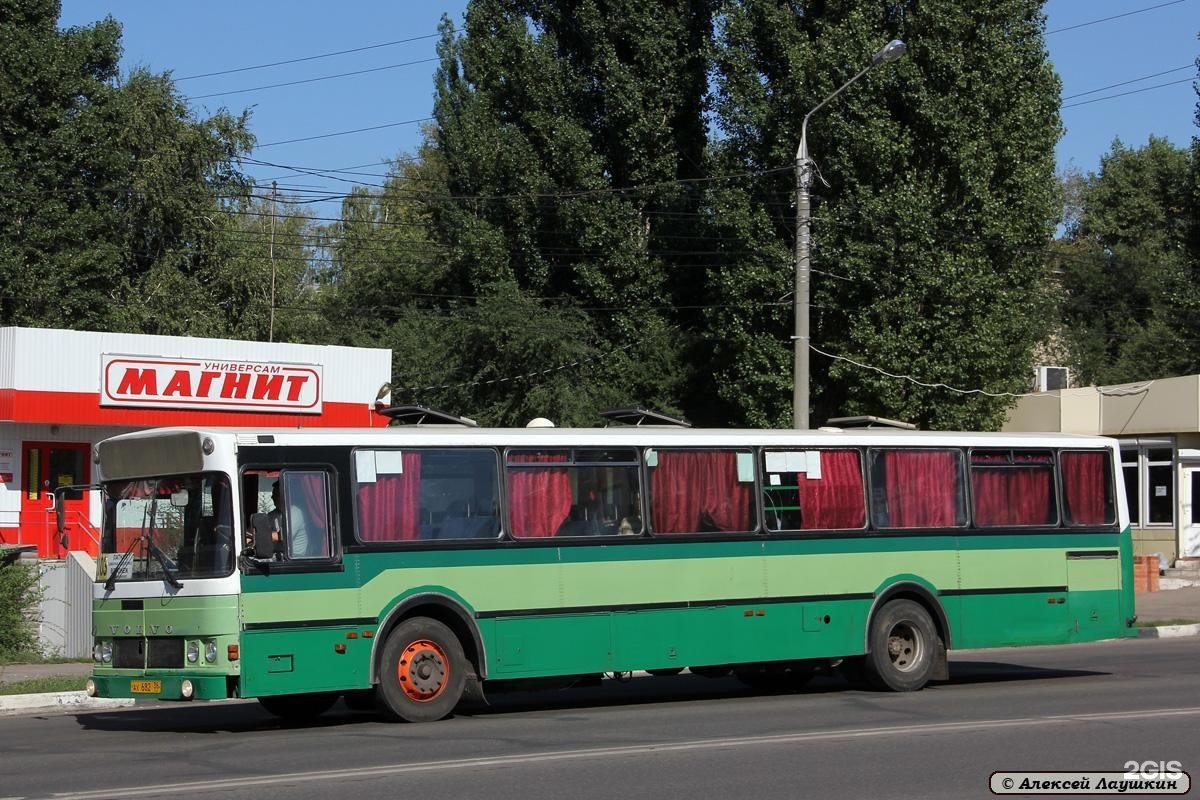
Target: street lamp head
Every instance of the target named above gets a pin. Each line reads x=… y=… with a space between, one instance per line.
x=890 y=52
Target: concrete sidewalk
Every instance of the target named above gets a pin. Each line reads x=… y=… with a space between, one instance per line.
x=1161 y=606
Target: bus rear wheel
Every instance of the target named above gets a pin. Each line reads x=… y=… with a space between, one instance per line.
x=423 y=673
x=298 y=707
x=903 y=642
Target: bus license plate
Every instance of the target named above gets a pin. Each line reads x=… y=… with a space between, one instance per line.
x=145 y=687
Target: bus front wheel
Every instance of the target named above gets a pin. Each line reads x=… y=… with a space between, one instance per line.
x=423 y=673
x=904 y=644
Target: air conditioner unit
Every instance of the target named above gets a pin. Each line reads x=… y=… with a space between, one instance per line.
x=1047 y=379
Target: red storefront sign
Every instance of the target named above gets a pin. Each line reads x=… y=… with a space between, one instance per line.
x=149 y=382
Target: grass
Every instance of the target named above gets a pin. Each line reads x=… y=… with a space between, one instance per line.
x=1159 y=623
x=35 y=658
x=55 y=683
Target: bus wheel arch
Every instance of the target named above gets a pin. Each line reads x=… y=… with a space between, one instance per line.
x=443 y=609
x=925 y=599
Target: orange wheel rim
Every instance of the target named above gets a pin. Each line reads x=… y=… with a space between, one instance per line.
x=423 y=671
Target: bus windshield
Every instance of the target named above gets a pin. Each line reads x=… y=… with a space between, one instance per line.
x=167 y=528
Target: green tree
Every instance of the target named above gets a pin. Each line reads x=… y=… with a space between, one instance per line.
x=111 y=193
x=928 y=240
x=1129 y=266
x=572 y=135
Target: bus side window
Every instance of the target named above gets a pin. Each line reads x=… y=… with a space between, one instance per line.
x=917 y=488
x=305 y=511
x=702 y=491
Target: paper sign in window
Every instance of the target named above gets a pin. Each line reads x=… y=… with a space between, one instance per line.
x=745 y=467
x=776 y=462
x=814 y=464
x=389 y=462
x=364 y=466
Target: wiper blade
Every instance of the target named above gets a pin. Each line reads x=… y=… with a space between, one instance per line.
x=110 y=583
x=168 y=570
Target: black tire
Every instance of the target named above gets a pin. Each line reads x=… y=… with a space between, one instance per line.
x=423 y=672
x=904 y=643
x=776 y=677
x=298 y=707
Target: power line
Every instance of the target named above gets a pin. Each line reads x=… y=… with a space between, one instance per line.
x=345 y=133
x=311 y=80
x=1126 y=83
x=1131 y=91
x=1115 y=16
x=310 y=58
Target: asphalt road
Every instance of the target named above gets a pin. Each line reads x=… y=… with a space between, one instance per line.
x=1082 y=707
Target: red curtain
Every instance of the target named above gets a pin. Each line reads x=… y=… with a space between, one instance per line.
x=1085 y=488
x=539 y=498
x=389 y=509
x=309 y=491
x=697 y=490
x=837 y=499
x=922 y=488
x=1012 y=495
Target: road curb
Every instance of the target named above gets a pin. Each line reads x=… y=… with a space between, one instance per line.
x=1169 y=631
x=58 y=701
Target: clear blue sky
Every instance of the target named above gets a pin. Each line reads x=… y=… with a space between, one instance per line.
x=191 y=39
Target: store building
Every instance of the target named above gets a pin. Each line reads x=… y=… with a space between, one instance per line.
x=1158 y=425
x=63 y=391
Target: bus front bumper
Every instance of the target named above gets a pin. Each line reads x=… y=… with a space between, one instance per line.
x=160 y=687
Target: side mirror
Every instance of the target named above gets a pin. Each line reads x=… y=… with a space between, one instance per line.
x=264 y=547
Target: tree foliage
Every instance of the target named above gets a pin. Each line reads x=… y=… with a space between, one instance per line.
x=928 y=238
x=569 y=132
x=112 y=196
x=1131 y=268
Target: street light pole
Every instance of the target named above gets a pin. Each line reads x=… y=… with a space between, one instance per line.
x=804 y=175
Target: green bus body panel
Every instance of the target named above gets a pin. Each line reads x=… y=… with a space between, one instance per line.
x=545 y=611
x=212 y=618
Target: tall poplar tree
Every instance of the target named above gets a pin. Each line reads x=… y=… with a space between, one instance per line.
x=929 y=237
x=573 y=137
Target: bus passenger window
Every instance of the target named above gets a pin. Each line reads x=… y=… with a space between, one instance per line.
x=426 y=494
x=813 y=490
x=917 y=489
x=581 y=492
x=1087 y=487
x=701 y=491
x=1013 y=487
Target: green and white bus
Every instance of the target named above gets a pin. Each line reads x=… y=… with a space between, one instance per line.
x=413 y=566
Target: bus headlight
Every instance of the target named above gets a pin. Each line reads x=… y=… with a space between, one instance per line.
x=187 y=689
x=106 y=652
x=96 y=653
x=210 y=652
x=193 y=651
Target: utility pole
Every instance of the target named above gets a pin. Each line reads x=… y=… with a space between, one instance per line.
x=804 y=175
x=271 y=255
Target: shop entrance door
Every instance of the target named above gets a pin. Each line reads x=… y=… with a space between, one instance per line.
x=1189 y=523
x=44 y=467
